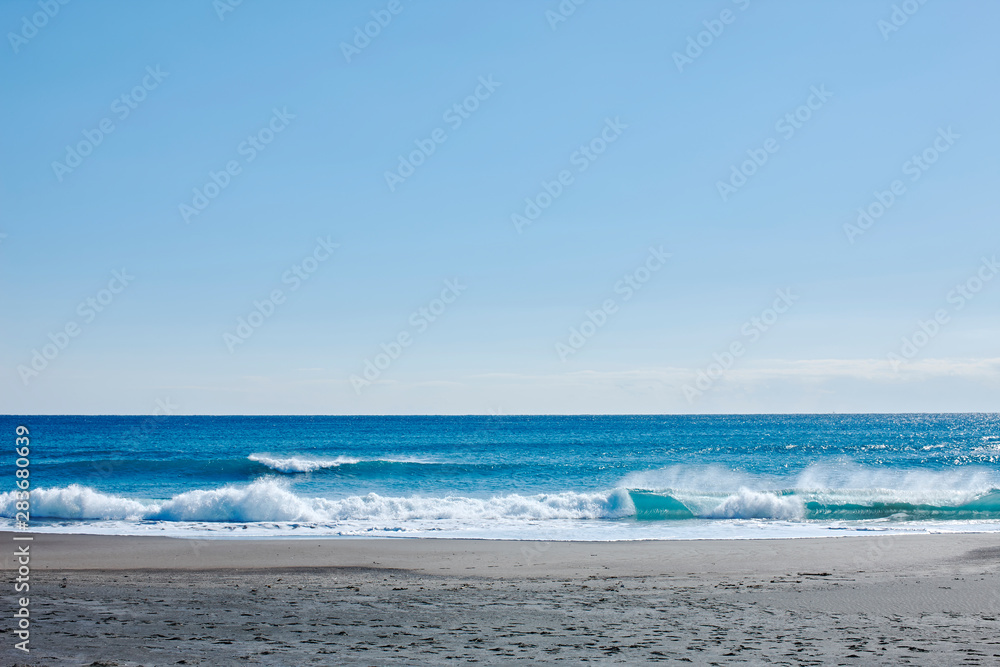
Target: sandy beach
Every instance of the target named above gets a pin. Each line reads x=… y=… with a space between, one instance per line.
x=915 y=599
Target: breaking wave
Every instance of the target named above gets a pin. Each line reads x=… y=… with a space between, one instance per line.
x=297 y=464
x=272 y=500
x=821 y=492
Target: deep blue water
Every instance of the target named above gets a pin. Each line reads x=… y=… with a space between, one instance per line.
x=602 y=477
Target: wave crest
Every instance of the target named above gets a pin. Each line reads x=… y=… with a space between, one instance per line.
x=750 y=504
x=297 y=464
x=271 y=500
x=76 y=502
x=293 y=464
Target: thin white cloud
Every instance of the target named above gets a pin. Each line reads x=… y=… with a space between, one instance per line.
x=804 y=369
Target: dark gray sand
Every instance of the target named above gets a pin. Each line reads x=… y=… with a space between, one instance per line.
x=920 y=600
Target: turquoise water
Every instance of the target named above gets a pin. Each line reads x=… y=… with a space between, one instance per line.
x=581 y=477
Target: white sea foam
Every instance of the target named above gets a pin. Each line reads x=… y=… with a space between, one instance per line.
x=76 y=502
x=296 y=464
x=749 y=504
x=263 y=500
x=271 y=500
x=567 y=505
x=709 y=494
x=293 y=464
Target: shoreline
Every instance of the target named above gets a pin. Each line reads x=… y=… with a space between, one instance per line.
x=579 y=530
x=891 y=551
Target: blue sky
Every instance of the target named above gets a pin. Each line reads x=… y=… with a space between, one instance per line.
x=659 y=134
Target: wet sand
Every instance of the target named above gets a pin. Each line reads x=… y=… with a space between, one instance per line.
x=916 y=599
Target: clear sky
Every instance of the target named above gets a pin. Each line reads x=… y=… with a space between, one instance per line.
x=681 y=171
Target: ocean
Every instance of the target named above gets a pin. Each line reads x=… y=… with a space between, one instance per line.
x=510 y=477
